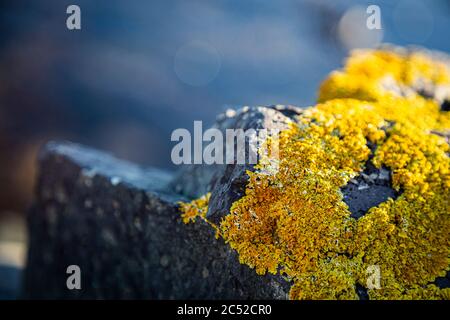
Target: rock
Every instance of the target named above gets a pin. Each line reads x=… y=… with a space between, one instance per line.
x=365 y=192
x=443 y=282
x=120 y=224
x=227 y=182
x=372 y=187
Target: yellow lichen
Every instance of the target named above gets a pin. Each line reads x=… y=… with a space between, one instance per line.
x=296 y=223
x=196 y=208
x=374 y=75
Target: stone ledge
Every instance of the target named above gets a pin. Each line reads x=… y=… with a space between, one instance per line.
x=119 y=223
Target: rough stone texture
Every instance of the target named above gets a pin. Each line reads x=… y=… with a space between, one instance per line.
x=227 y=182
x=370 y=188
x=120 y=225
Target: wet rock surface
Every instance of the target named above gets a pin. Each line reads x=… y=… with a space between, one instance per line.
x=120 y=224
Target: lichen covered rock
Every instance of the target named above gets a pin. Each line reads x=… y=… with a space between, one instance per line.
x=297 y=223
x=120 y=224
x=375 y=74
x=228 y=180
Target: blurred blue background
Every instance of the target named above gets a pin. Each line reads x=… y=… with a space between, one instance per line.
x=139 y=69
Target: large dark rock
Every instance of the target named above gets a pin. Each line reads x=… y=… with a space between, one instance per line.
x=121 y=226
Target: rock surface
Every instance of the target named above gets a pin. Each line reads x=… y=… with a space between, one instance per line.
x=120 y=224
x=227 y=182
x=372 y=187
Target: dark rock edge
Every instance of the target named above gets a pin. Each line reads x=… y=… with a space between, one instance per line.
x=120 y=224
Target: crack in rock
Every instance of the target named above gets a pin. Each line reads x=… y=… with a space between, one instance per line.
x=445 y=106
x=372 y=187
x=443 y=282
x=361 y=292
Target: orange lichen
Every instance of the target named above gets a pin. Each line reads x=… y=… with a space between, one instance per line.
x=195 y=209
x=295 y=222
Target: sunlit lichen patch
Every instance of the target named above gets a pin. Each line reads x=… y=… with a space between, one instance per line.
x=374 y=75
x=296 y=223
x=195 y=209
